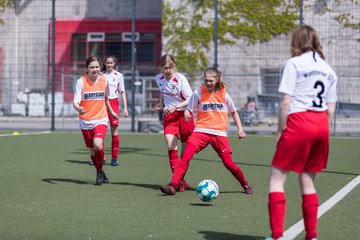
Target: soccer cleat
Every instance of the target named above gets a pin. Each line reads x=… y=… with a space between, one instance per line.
x=106 y=180
x=270 y=238
x=99 y=177
x=114 y=162
x=168 y=189
x=248 y=189
x=183 y=185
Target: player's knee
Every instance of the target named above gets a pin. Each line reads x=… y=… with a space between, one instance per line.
x=98 y=145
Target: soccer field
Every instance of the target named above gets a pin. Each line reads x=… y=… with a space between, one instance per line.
x=48 y=191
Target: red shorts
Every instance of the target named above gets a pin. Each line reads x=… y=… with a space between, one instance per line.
x=219 y=143
x=97 y=132
x=304 y=144
x=114 y=103
x=175 y=124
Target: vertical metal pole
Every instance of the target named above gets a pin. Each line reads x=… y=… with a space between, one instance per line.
x=63 y=97
x=216 y=34
x=133 y=67
x=53 y=67
x=10 y=92
x=301 y=12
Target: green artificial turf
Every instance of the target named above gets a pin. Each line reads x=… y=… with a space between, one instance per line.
x=48 y=191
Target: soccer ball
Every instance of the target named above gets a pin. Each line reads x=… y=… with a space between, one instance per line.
x=207 y=190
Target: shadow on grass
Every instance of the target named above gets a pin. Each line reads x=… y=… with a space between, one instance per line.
x=86 y=162
x=211 y=235
x=139 y=152
x=123 y=150
x=201 y=204
x=231 y=192
x=66 y=180
x=142 y=185
x=78 y=162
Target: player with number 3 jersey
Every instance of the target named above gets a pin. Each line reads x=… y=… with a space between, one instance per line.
x=307 y=106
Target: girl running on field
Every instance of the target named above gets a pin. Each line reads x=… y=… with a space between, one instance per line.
x=89 y=101
x=115 y=87
x=212 y=103
x=175 y=93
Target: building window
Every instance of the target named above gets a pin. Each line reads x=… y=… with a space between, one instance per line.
x=78 y=49
x=270 y=80
x=103 y=44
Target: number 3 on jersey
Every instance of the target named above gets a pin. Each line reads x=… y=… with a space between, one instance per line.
x=319 y=86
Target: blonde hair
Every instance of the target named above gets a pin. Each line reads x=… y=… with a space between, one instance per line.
x=220 y=84
x=305 y=39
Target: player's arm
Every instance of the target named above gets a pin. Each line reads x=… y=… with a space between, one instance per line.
x=124 y=100
x=231 y=106
x=77 y=97
x=159 y=106
x=237 y=121
x=192 y=105
x=186 y=92
x=284 y=107
x=331 y=112
x=109 y=108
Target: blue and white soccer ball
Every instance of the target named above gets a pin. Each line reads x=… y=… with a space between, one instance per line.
x=207 y=190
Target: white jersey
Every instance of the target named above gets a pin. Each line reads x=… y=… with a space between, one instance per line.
x=175 y=90
x=310 y=82
x=115 y=84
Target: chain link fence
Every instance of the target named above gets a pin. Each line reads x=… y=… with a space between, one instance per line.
x=83 y=28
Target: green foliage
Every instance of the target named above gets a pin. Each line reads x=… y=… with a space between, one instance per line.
x=189 y=28
x=345 y=19
x=5 y=4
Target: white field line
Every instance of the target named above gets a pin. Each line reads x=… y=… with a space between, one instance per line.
x=21 y=134
x=297 y=228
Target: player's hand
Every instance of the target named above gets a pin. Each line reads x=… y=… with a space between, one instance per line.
x=170 y=109
x=241 y=134
x=187 y=115
x=126 y=113
x=115 y=115
x=157 y=107
x=81 y=110
x=278 y=136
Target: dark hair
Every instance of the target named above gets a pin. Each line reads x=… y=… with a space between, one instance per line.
x=103 y=69
x=167 y=58
x=305 y=39
x=90 y=60
x=218 y=76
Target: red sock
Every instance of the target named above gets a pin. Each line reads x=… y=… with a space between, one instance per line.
x=234 y=169
x=277 y=212
x=115 y=144
x=173 y=159
x=104 y=150
x=93 y=159
x=310 y=205
x=181 y=169
x=99 y=158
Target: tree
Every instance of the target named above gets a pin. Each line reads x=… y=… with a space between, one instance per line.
x=348 y=19
x=189 y=27
x=5 y=4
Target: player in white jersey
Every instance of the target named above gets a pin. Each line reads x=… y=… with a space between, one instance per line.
x=307 y=106
x=175 y=93
x=115 y=85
